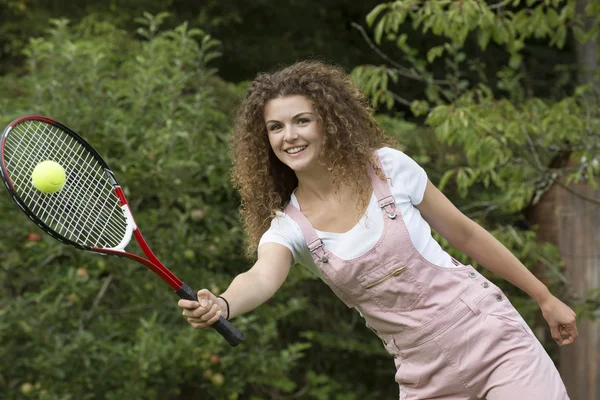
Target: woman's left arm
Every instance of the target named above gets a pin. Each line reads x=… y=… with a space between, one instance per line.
x=473 y=240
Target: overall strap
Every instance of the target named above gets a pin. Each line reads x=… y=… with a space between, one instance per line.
x=382 y=190
x=315 y=244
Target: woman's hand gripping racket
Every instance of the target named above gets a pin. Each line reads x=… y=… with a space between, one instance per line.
x=80 y=204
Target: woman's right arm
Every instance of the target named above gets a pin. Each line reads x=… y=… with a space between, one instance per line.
x=247 y=291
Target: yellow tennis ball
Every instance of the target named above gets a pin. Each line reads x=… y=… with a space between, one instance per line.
x=48 y=177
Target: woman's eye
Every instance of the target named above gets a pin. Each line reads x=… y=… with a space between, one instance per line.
x=273 y=127
x=303 y=121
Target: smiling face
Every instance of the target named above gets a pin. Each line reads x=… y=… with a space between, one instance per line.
x=294 y=132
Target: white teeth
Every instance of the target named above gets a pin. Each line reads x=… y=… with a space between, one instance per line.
x=295 y=150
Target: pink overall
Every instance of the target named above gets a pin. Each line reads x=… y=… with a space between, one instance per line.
x=453 y=334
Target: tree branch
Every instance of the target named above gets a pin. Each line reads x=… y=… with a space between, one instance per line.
x=401 y=70
x=544 y=170
x=400 y=99
x=497 y=5
x=532 y=149
x=97 y=300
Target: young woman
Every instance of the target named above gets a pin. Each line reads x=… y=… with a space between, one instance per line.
x=320 y=188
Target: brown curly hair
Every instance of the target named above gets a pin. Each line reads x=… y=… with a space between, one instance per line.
x=350 y=132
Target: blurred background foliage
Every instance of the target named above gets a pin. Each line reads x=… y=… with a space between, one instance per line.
x=484 y=97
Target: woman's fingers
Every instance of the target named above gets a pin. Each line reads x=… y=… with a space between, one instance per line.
x=198 y=311
x=188 y=304
x=564 y=334
x=568 y=334
x=202 y=313
x=205 y=317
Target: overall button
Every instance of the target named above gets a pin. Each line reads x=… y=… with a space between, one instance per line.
x=472 y=274
x=498 y=298
x=324 y=259
x=485 y=285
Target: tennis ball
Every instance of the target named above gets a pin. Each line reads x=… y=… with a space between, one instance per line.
x=48 y=177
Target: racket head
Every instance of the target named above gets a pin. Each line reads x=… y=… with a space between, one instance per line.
x=86 y=213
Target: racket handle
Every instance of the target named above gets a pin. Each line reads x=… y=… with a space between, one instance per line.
x=228 y=331
x=224 y=327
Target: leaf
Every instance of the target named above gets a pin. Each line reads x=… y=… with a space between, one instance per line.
x=552 y=17
x=483 y=38
x=434 y=52
x=379 y=30
x=419 y=107
x=375 y=13
x=560 y=37
x=445 y=178
x=515 y=60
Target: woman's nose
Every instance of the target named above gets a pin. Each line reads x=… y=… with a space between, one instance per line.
x=290 y=134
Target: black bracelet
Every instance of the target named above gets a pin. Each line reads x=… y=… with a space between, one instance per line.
x=226 y=302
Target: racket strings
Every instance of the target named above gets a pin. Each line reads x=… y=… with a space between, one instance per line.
x=85 y=210
x=41 y=206
x=86 y=199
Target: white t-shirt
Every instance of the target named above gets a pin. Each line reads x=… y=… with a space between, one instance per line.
x=407 y=183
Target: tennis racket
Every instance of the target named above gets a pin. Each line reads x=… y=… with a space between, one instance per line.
x=90 y=212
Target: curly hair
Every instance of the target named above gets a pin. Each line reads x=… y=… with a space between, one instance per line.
x=350 y=135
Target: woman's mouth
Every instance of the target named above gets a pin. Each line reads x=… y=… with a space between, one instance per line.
x=295 y=150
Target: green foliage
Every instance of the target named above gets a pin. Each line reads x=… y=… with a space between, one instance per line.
x=68 y=318
x=512 y=146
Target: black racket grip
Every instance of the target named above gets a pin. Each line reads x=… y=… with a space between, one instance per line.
x=224 y=327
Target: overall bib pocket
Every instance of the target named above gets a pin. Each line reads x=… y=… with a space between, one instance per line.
x=392 y=286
